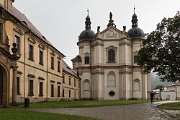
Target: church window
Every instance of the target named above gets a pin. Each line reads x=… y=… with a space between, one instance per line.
x=111 y=55
x=17 y=41
x=86 y=85
x=111 y=93
x=111 y=80
x=136 y=59
x=86 y=60
x=31 y=52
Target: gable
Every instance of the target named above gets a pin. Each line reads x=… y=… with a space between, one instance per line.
x=112 y=33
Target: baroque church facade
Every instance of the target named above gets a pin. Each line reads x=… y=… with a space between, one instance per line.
x=107 y=62
x=30 y=66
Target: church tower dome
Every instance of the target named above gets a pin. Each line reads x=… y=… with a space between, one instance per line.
x=135 y=32
x=87 y=34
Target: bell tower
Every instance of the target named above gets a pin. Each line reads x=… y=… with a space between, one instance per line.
x=7 y=4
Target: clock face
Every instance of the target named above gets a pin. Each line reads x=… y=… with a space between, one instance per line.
x=111 y=33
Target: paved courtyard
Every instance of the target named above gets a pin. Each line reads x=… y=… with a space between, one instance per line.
x=145 y=111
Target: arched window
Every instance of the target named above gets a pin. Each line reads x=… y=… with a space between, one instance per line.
x=111 y=55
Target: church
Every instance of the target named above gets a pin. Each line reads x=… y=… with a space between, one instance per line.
x=107 y=62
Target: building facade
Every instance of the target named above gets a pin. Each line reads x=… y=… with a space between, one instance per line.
x=70 y=83
x=107 y=62
x=32 y=66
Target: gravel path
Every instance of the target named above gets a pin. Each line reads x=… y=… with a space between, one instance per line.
x=127 y=112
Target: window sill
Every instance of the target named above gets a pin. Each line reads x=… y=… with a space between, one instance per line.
x=30 y=94
x=31 y=59
x=41 y=95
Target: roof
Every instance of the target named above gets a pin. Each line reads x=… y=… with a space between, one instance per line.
x=24 y=20
x=68 y=69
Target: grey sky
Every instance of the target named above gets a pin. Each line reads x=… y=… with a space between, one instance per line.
x=61 y=21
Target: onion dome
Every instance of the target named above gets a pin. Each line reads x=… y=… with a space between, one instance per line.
x=87 y=34
x=135 y=32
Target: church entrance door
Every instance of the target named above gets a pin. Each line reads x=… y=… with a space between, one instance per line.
x=1 y=87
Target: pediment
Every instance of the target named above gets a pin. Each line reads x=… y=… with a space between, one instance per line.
x=111 y=33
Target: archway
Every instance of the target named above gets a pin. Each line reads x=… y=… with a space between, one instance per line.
x=1 y=87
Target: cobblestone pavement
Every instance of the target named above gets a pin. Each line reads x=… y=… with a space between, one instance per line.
x=145 y=111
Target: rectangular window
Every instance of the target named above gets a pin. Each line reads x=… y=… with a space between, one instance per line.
x=41 y=57
x=86 y=60
x=52 y=63
x=63 y=93
x=52 y=90
x=31 y=88
x=1 y=32
x=135 y=59
x=40 y=88
x=58 y=66
x=18 y=86
x=31 y=52
x=17 y=41
x=69 y=80
x=58 y=91
x=69 y=93
x=74 y=82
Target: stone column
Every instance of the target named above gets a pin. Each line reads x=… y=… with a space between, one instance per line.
x=14 y=86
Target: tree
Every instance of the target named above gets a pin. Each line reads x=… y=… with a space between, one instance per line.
x=161 y=50
x=159 y=87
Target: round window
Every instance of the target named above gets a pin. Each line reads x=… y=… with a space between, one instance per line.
x=111 y=93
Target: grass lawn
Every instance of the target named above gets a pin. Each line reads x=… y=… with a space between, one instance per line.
x=85 y=103
x=13 y=114
x=170 y=106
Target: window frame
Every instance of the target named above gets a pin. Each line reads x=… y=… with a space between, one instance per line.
x=31 y=52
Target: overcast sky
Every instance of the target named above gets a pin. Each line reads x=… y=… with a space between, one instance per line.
x=61 y=21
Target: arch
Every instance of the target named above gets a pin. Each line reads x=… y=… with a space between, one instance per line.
x=111 y=79
x=4 y=85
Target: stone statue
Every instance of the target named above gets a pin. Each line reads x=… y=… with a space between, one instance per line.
x=98 y=29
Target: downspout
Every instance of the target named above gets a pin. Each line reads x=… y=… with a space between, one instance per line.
x=91 y=70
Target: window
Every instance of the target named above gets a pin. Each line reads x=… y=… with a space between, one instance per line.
x=63 y=93
x=17 y=41
x=58 y=66
x=69 y=80
x=52 y=90
x=52 y=63
x=1 y=31
x=74 y=82
x=86 y=60
x=111 y=55
x=40 y=88
x=30 y=88
x=58 y=91
x=69 y=93
x=135 y=59
x=31 y=52
x=41 y=57
x=18 y=86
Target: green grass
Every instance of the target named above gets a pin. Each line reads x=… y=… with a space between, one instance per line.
x=13 y=114
x=170 y=106
x=85 y=103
